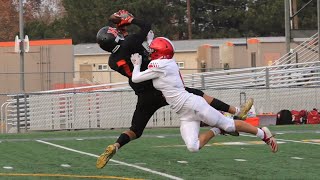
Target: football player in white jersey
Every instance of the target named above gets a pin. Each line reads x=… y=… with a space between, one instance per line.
x=122 y=45
x=191 y=109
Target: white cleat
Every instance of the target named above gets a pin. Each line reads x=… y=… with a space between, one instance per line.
x=269 y=139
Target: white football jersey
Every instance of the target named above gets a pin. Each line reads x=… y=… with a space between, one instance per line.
x=166 y=77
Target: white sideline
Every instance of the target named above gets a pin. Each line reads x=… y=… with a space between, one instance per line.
x=288 y=140
x=119 y=162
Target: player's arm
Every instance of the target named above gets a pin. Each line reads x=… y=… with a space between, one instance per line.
x=144 y=26
x=127 y=18
x=137 y=75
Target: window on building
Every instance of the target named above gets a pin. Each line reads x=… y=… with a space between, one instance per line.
x=102 y=67
x=180 y=64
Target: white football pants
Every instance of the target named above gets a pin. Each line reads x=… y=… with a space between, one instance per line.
x=196 y=109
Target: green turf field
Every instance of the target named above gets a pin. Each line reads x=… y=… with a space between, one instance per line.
x=160 y=154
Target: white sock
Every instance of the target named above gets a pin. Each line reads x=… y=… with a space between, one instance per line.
x=215 y=131
x=260 y=134
x=237 y=111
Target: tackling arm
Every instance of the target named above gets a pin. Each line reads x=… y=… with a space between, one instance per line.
x=148 y=74
x=138 y=76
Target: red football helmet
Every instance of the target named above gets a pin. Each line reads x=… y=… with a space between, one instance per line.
x=161 y=48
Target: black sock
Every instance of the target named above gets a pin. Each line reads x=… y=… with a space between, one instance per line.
x=123 y=139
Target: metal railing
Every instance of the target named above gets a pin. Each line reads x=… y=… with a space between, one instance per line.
x=307 y=51
x=114 y=109
x=299 y=74
x=102 y=106
x=15 y=114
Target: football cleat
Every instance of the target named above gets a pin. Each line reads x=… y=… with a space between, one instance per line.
x=269 y=139
x=245 y=108
x=104 y=158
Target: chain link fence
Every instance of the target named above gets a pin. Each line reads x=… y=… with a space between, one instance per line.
x=114 y=109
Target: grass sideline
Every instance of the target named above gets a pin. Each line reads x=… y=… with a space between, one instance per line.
x=161 y=150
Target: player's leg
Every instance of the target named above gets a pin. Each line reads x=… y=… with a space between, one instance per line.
x=190 y=134
x=190 y=127
x=222 y=106
x=213 y=117
x=241 y=112
x=263 y=133
x=189 y=131
x=146 y=106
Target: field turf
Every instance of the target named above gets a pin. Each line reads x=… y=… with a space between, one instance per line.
x=160 y=154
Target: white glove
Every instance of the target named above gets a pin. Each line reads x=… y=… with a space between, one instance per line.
x=150 y=37
x=136 y=59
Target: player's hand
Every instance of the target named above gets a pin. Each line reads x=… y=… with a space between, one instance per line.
x=123 y=30
x=126 y=17
x=150 y=37
x=136 y=59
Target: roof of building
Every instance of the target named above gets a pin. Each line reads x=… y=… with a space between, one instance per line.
x=39 y=42
x=180 y=45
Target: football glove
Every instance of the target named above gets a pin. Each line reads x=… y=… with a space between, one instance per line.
x=150 y=37
x=125 y=16
x=123 y=30
x=136 y=59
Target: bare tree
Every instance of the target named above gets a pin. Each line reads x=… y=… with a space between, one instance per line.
x=9 y=20
x=43 y=10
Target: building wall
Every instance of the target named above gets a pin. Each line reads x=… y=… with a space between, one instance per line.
x=98 y=76
x=45 y=65
x=109 y=76
x=270 y=52
x=266 y=53
x=9 y=68
x=209 y=55
x=215 y=58
x=190 y=61
x=235 y=55
x=226 y=53
x=240 y=57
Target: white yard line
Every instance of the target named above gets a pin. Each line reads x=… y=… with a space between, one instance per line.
x=303 y=142
x=287 y=140
x=119 y=162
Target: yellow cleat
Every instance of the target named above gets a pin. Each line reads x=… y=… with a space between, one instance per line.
x=245 y=108
x=106 y=156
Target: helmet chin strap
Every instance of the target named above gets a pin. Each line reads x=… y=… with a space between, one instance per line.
x=115 y=49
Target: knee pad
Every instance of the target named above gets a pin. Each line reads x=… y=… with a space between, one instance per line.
x=193 y=146
x=192 y=149
x=230 y=127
